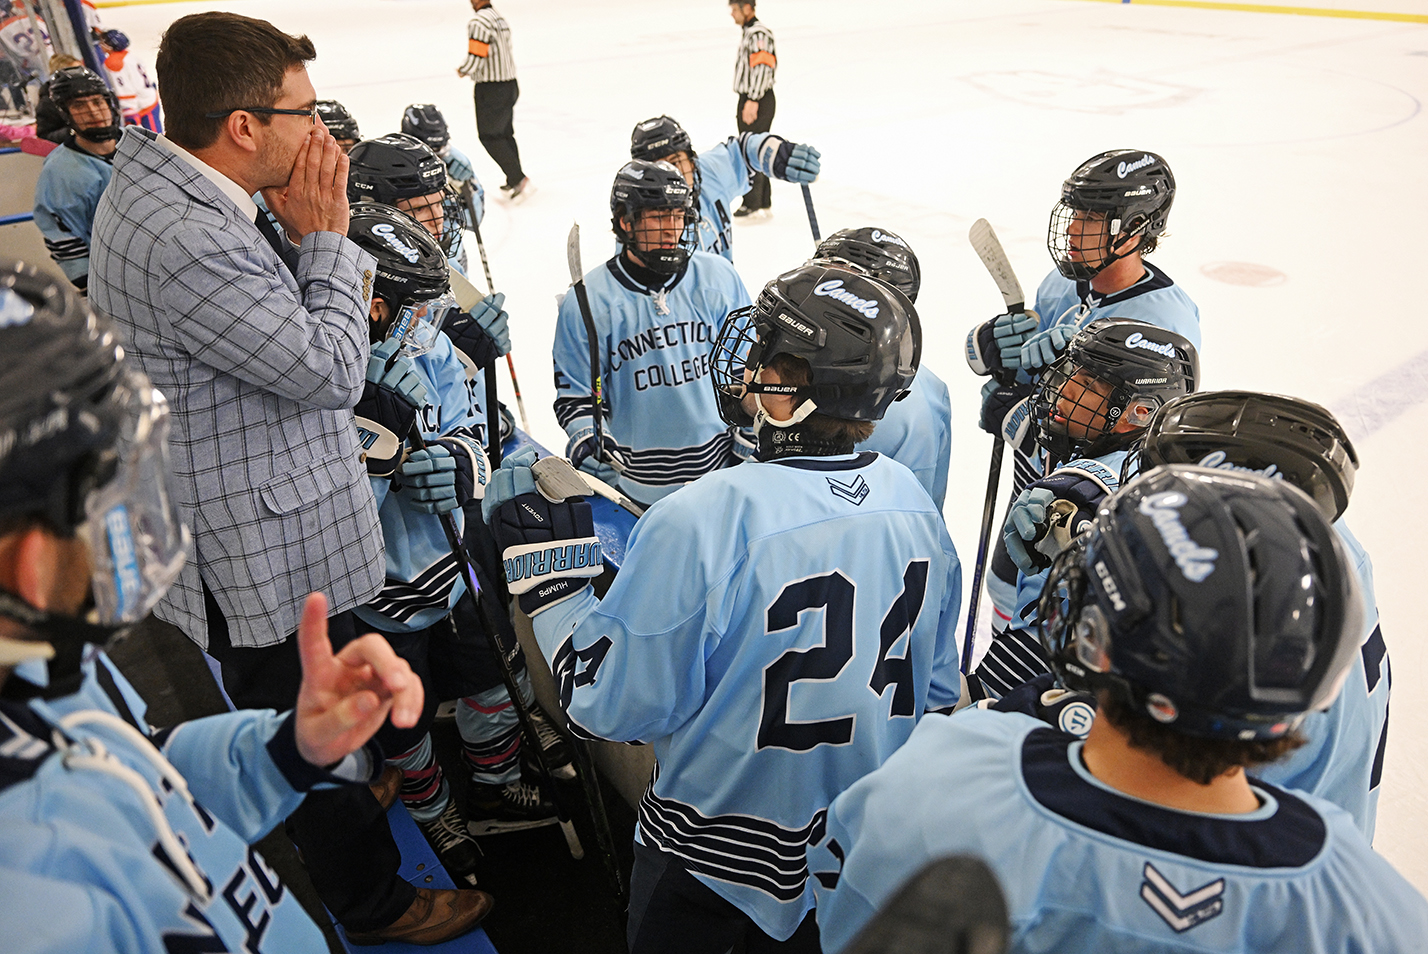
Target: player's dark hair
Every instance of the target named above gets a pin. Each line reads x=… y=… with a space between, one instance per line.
x=1198 y=759
x=210 y=62
x=794 y=370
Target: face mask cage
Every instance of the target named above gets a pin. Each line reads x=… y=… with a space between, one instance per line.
x=442 y=214
x=649 y=240
x=1075 y=408
x=1079 y=240
x=734 y=359
x=417 y=324
x=107 y=133
x=137 y=543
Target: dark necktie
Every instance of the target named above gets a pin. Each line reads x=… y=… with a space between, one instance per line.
x=278 y=241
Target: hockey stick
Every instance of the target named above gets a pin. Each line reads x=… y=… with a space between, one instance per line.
x=812 y=218
x=597 y=380
x=989 y=250
x=468 y=193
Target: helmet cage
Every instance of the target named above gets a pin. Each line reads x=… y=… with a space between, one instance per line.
x=646 y=240
x=1099 y=406
x=1114 y=232
x=77 y=82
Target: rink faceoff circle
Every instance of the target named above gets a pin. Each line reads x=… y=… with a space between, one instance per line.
x=1248 y=274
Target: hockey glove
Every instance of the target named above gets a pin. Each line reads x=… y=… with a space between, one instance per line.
x=582 y=453
x=387 y=410
x=792 y=162
x=1063 y=709
x=428 y=480
x=473 y=470
x=1053 y=510
x=1042 y=349
x=1006 y=411
x=395 y=373
x=995 y=346
x=549 y=547
x=482 y=334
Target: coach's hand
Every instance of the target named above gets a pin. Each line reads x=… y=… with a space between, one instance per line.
x=315 y=198
x=345 y=698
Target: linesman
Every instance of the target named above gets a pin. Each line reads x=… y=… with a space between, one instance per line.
x=490 y=64
x=754 y=82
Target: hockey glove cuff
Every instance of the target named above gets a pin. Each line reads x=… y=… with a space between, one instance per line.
x=1063 y=709
x=428 y=480
x=473 y=470
x=1006 y=411
x=1042 y=349
x=483 y=334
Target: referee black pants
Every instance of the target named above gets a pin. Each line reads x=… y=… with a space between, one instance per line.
x=495 y=104
x=673 y=912
x=759 y=196
x=342 y=832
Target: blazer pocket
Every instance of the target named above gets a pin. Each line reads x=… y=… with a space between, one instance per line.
x=306 y=484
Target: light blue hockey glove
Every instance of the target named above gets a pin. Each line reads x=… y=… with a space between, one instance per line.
x=1027 y=522
x=1042 y=349
x=398 y=375
x=581 y=452
x=802 y=164
x=1052 y=510
x=510 y=480
x=428 y=480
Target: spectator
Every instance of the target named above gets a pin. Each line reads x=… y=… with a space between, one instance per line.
x=113 y=837
x=263 y=349
x=49 y=121
x=490 y=64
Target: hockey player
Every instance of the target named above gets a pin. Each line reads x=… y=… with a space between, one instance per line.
x=1301 y=443
x=75 y=175
x=1112 y=212
x=1087 y=410
x=425 y=122
x=657 y=306
x=425 y=609
x=723 y=173
x=917 y=430
x=811 y=627
x=138 y=95
x=1208 y=611
x=114 y=837
x=398 y=170
x=340 y=123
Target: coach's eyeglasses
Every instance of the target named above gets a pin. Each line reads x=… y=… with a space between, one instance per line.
x=310 y=112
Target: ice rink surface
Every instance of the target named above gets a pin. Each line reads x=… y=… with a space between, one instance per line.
x=1298 y=144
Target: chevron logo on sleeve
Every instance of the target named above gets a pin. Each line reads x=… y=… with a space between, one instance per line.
x=855 y=493
x=1181 y=911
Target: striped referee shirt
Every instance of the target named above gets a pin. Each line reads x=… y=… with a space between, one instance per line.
x=488 y=48
x=754 y=69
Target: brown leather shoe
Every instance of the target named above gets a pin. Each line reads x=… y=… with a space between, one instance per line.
x=388 y=787
x=436 y=915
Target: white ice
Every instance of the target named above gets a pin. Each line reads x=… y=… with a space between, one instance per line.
x=1297 y=142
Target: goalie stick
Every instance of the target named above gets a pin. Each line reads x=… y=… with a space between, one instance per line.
x=989 y=249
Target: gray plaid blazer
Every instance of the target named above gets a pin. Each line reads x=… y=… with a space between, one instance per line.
x=262 y=370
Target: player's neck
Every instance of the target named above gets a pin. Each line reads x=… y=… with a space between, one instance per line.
x=105 y=148
x=1141 y=774
x=1119 y=275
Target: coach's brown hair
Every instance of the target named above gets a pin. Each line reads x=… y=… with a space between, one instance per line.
x=210 y=62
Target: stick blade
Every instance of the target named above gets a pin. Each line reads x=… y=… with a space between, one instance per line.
x=989 y=249
x=572 y=254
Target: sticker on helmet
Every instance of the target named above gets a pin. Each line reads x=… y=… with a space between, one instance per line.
x=834 y=289
x=1195 y=562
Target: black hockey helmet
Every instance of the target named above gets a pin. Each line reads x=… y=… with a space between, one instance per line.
x=398 y=167
x=885 y=256
x=640 y=186
x=1221 y=604
x=411 y=267
x=83 y=450
x=1129 y=190
x=75 y=82
x=1114 y=369
x=338 y=120
x=424 y=121
x=861 y=338
x=1273 y=435
x=662 y=138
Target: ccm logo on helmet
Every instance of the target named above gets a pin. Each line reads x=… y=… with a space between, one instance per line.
x=1195 y=562
x=1217 y=460
x=389 y=236
x=1138 y=340
x=885 y=237
x=834 y=290
x=1128 y=167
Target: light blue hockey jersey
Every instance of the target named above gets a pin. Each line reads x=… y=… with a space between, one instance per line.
x=775 y=632
x=917 y=433
x=83 y=863
x=66 y=195
x=654 y=355
x=423 y=579
x=1087 y=870
x=1343 y=761
x=724 y=172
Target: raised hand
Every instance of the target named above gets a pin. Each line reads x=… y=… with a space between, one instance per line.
x=345 y=698
x=315 y=198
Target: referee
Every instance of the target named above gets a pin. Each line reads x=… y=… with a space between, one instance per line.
x=489 y=62
x=753 y=81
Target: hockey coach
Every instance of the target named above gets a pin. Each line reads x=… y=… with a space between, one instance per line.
x=260 y=343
